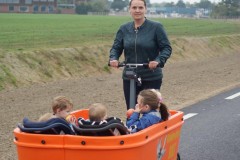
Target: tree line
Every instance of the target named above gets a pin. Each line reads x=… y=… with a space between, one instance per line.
x=224 y=8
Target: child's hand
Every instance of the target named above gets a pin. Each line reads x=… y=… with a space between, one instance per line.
x=71 y=119
x=129 y=112
x=137 y=109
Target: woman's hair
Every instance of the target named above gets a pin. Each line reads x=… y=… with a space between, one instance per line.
x=97 y=112
x=61 y=102
x=130 y=3
x=151 y=98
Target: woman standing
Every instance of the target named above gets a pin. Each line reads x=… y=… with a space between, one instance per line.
x=142 y=41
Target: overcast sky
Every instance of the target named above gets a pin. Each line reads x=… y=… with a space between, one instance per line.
x=191 y=1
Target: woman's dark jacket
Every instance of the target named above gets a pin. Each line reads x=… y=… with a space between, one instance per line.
x=147 y=43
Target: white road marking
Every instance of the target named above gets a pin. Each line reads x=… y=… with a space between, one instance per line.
x=233 y=96
x=189 y=115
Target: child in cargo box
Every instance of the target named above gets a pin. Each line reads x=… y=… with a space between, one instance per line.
x=149 y=110
x=97 y=112
x=61 y=107
x=97 y=116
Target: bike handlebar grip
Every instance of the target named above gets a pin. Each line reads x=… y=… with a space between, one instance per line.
x=122 y=64
x=145 y=65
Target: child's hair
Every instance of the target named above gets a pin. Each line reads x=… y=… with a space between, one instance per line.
x=61 y=102
x=153 y=99
x=97 y=112
x=45 y=117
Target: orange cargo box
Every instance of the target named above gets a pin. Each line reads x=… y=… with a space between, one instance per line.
x=157 y=142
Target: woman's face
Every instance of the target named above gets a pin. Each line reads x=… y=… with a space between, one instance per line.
x=137 y=9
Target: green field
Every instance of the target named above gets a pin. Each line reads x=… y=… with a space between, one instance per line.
x=36 y=31
x=46 y=47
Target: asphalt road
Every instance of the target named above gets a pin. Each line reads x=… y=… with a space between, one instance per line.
x=212 y=129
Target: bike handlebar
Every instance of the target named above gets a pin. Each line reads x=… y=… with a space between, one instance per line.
x=133 y=65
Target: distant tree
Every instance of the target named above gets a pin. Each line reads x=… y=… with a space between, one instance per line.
x=206 y=4
x=180 y=4
x=157 y=4
x=99 y=6
x=226 y=9
x=189 y=5
x=65 y=1
x=92 y=6
x=171 y=4
x=148 y=3
x=83 y=8
x=119 y=4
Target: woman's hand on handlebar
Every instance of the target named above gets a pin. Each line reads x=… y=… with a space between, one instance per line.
x=114 y=63
x=150 y=65
x=153 y=64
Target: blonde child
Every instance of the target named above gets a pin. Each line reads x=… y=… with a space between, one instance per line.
x=150 y=107
x=97 y=112
x=45 y=117
x=61 y=107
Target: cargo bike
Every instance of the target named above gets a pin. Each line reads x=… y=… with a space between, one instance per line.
x=42 y=141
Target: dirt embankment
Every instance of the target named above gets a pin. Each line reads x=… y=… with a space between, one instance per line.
x=26 y=68
x=199 y=68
